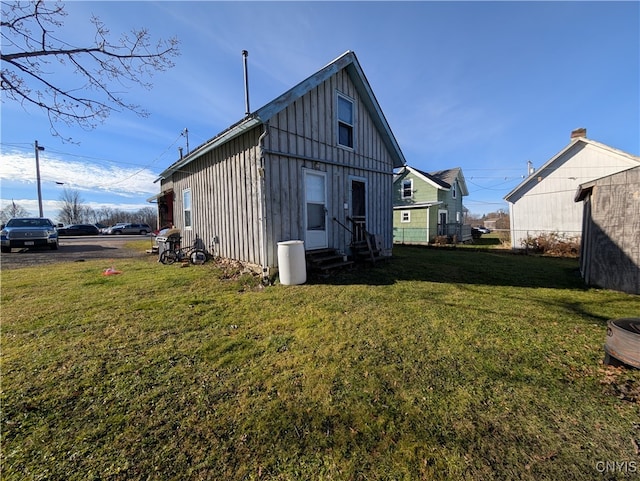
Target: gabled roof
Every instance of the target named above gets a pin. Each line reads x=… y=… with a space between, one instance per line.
x=441 y=179
x=586 y=188
x=449 y=176
x=347 y=61
x=555 y=162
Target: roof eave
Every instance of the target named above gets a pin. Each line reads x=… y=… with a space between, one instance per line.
x=575 y=141
x=535 y=174
x=417 y=206
x=427 y=178
x=347 y=61
x=223 y=137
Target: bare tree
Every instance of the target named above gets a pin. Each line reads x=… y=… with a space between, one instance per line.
x=12 y=210
x=147 y=215
x=73 y=210
x=30 y=45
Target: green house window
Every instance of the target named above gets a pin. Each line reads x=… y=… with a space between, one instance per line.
x=407 y=188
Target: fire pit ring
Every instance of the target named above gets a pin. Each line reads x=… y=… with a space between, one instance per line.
x=623 y=342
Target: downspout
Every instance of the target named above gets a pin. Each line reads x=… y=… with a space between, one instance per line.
x=263 y=204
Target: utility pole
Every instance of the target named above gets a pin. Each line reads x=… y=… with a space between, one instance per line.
x=38 y=149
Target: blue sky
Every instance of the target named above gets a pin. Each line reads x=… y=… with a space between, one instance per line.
x=485 y=86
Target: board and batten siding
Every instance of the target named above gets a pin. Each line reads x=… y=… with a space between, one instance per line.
x=303 y=137
x=225 y=198
x=610 y=251
x=235 y=183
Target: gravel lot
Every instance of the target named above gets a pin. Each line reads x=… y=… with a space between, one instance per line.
x=73 y=249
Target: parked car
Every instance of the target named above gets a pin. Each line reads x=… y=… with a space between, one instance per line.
x=483 y=229
x=125 y=228
x=28 y=232
x=79 y=229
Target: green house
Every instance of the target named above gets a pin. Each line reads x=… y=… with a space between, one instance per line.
x=428 y=206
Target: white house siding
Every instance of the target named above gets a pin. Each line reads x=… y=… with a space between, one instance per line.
x=225 y=199
x=546 y=204
x=303 y=136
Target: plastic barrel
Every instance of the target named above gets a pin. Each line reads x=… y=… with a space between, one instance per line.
x=292 y=265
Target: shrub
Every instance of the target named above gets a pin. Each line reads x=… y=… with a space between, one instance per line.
x=441 y=240
x=553 y=244
x=505 y=238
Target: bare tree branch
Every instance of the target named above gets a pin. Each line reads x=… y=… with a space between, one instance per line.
x=30 y=50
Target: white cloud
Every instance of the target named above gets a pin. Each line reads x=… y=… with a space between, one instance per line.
x=81 y=175
x=51 y=208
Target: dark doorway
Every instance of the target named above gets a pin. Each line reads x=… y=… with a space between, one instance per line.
x=359 y=209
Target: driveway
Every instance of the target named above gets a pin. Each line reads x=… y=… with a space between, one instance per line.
x=74 y=249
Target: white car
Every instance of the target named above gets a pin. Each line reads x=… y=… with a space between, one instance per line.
x=127 y=228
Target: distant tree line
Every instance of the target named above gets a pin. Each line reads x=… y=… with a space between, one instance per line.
x=75 y=211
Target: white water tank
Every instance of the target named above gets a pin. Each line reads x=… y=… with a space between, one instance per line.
x=292 y=265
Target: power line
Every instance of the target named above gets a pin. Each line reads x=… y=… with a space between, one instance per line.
x=27 y=148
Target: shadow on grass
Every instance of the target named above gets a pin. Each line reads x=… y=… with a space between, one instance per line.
x=487 y=241
x=463 y=266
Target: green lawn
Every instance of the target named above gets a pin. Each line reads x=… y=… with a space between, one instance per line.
x=440 y=364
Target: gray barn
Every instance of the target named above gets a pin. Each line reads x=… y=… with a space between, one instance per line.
x=313 y=161
x=610 y=251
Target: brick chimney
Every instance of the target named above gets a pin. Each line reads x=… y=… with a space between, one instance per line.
x=579 y=133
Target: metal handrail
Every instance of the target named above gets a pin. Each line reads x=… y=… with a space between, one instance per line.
x=342 y=225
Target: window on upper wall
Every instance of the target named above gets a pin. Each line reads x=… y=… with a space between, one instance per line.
x=407 y=188
x=186 y=206
x=454 y=190
x=405 y=216
x=345 y=122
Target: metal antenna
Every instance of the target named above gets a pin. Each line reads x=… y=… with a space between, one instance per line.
x=245 y=54
x=185 y=133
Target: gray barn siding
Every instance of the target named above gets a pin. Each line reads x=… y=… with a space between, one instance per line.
x=229 y=187
x=610 y=255
x=305 y=133
x=225 y=198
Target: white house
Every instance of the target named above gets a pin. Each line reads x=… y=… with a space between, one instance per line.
x=543 y=203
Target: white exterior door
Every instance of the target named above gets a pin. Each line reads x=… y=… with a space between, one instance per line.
x=315 y=188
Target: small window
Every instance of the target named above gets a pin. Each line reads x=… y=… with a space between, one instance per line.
x=186 y=205
x=407 y=188
x=405 y=216
x=316 y=217
x=345 y=122
x=454 y=190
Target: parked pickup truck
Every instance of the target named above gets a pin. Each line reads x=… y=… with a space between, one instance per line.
x=28 y=232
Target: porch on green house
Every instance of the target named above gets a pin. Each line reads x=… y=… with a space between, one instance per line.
x=451 y=233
